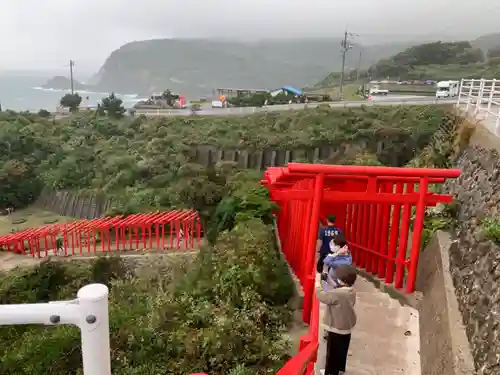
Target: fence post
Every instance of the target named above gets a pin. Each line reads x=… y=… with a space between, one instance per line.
x=469 y=96
x=94 y=325
x=497 y=123
x=459 y=93
x=480 y=96
x=89 y=312
x=492 y=91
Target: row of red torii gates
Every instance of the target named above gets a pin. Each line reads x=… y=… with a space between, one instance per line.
x=376 y=207
x=178 y=229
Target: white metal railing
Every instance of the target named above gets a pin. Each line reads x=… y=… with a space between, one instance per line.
x=89 y=311
x=481 y=97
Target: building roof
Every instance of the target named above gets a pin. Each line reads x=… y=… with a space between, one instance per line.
x=292 y=90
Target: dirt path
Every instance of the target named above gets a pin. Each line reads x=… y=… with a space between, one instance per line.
x=9 y=261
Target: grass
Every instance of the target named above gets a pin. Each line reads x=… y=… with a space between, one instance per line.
x=350 y=92
x=29 y=218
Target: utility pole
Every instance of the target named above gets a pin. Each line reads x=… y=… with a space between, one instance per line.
x=346 y=46
x=359 y=64
x=71 y=64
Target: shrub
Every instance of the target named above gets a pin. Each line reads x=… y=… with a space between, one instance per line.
x=491 y=228
x=225 y=312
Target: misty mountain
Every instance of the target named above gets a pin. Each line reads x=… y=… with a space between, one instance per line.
x=196 y=67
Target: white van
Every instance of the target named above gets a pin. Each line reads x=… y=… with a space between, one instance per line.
x=447 y=89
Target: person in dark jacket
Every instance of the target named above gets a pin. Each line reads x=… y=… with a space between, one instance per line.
x=325 y=237
x=339 y=319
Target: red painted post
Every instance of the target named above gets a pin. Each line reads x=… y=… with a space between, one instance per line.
x=363 y=233
x=403 y=241
x=304 y=229
x=376 y=238
x=79 y=239
x=124 y=236
x=351 y=231
x=386 y=219
x=117 y=237
x=357 y=231
x=372 y=223
x=198 y=231
x=45 y=244
x=108 y=238
x=418 y=226
x=150 y=236
x=394 y=237
x=294 y=254
x=311 y=249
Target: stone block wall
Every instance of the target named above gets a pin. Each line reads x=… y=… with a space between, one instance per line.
x=262 y=159
x=475 y=261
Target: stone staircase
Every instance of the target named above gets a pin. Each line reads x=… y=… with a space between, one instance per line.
x=385 y=340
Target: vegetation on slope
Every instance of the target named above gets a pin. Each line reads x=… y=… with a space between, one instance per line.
x=438 y=53
x=224 y=312
x=431 y=61
x=138 y=161
x=442 y=151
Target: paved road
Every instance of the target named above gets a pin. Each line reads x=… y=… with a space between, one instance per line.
x=389 y=100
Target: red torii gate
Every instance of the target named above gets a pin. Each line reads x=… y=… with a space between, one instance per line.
x=155 y=228
x=373 y=206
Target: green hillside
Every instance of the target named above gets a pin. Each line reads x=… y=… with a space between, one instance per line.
x=432 y=61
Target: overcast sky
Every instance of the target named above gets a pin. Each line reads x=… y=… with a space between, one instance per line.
x=45 y=34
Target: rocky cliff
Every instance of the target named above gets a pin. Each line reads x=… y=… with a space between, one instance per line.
x=475 y=262
x=64 y=83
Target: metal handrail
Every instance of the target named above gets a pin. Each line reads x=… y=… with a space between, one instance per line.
x=482 y=97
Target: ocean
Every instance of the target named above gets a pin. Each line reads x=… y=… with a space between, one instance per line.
x=21 y=93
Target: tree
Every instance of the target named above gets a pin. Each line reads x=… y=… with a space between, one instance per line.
x=167 y=94
x=44 y=113
x=113 y=106
x=71 y=101
x=493 y=53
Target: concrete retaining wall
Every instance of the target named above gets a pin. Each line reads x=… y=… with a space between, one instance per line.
x=73 y=204
x=262 y=159
x=444 y=348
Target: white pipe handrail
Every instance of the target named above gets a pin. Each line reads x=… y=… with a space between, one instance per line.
x=89 y=312
x=481 y=97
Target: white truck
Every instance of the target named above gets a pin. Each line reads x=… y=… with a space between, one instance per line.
x=376 y=90
x=447 y=89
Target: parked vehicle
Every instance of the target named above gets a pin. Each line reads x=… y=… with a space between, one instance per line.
x=447 y=89
x=376 y=90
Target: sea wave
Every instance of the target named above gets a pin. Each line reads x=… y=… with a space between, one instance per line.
x=87 y=92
